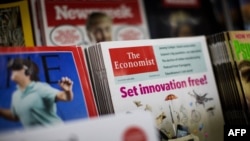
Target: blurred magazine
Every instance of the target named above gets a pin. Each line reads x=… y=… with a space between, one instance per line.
x=225 y=49
x=176 y=18
x=15 y=24
x=230 y=58
x=138 y=126
x=50 y=97
x=170 y=77
x=81 y=22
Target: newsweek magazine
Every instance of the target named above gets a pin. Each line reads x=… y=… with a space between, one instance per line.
x=50 y=66
x=138 y=126
x=15 y=25
x=63 y=22
x=172 y=78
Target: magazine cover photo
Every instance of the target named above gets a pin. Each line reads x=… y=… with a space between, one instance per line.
x=41 y=89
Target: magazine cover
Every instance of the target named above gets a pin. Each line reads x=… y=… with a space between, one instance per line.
x=175 y=18
x=43 y=86
x=81 y=22
x=15 y=24
x=172 y=78
x=138 y=126
x=239 y=42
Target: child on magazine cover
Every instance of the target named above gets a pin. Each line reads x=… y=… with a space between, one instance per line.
x=33 y=102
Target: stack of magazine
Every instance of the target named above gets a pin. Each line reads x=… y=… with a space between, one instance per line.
x=230 y=59
x=172 y=78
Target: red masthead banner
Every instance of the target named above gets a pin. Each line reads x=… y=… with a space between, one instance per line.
x=126 y=61
x=72 y=12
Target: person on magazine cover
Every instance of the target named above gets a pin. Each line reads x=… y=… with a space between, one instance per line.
x=34 y=102
x=99 y=27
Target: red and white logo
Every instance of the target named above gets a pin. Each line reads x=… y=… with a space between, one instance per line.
x=133 y=60
x=76 y=12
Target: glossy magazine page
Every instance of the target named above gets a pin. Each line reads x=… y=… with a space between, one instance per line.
x=172 y=78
